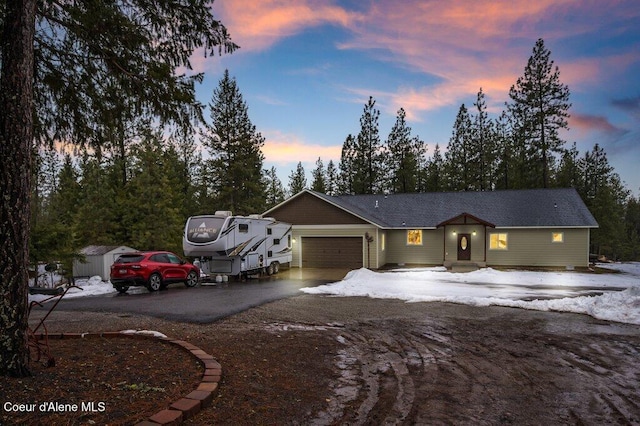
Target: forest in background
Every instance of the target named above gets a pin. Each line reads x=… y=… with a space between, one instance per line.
x=139 y=188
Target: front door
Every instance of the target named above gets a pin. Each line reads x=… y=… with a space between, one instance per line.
x=464 y=247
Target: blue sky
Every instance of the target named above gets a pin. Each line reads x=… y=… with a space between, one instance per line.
x=306 y=69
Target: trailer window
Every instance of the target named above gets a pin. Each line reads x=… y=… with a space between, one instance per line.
x=276 y=241
x=243 y=227
x=204 y=229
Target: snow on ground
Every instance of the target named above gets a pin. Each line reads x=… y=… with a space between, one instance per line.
x=613 y=297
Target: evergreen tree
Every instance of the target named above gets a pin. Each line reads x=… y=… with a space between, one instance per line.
x=58 y=59
x=403 y=159
x=505 y=152
x=332 y=179
x=569 y=175
x=366 y=167
x=457 y=168
x=540 y=102
x=435 y=172
x=632 y=221
x=483 y=149
x=152 y=212
x=297 y=180
x=319 y=183
x=346 y=184
x=605 y=196
x=275 y=193
x=235 y=147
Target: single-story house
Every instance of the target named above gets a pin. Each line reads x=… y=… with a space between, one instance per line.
x=98 y=261
x=536 y=227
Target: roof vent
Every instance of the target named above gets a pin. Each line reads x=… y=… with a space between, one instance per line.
x=223 y=213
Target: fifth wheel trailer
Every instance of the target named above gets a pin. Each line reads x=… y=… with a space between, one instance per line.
x=237 y=245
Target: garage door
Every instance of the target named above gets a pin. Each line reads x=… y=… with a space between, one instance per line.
x=332 y=252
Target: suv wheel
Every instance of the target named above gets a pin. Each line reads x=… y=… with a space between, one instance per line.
x=192 y=279
x=122 y=288
x=155 y=282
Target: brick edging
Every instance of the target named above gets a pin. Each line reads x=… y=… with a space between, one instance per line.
x=185 y=407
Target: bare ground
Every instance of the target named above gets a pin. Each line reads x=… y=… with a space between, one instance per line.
x=326 y=360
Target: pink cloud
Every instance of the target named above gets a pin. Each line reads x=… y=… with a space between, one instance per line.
x=585 y=123
x=282 y=148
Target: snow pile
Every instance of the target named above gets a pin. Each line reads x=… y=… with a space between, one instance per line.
x=93 y=286
x=613 y=297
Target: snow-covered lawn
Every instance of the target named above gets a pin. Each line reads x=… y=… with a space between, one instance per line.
x=613 y=297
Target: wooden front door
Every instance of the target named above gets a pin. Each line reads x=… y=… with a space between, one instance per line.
x=464 y=247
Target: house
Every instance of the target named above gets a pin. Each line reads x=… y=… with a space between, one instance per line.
x=536 y=227
x=98 y=261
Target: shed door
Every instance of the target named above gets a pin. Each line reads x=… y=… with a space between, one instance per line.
x=332 y=252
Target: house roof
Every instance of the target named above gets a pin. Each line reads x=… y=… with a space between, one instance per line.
x=509 y=208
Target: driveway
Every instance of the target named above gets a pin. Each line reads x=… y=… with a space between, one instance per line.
x=205 y=303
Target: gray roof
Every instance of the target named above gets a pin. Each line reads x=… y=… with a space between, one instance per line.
x=97 y=250
x=509 y=208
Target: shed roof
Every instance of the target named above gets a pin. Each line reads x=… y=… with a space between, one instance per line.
x=509 y=208
x=98 y=250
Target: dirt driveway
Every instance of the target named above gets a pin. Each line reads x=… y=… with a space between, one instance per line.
x=328 y=360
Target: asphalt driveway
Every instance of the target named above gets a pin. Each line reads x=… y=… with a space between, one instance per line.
x=203 y=304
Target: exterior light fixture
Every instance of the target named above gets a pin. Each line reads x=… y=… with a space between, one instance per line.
x=454 y=232
x=474 y=232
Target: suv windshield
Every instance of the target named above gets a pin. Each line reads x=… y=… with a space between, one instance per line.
x=204 y=229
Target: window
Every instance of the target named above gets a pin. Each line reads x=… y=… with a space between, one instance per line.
x=557 y=237
x=382 y=241
x=243 y=227
x=276 y=241
x=414 y=237
x=498 y=242
x=268 y=231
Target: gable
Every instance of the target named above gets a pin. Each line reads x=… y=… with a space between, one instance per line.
x=307 y=209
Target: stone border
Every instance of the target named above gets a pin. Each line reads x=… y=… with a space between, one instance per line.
x=184 y=408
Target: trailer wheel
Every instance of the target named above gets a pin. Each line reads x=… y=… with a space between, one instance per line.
x=276 y=267
x=270 y=269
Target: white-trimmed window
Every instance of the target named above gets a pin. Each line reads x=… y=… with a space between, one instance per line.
x=414 y=237
x=557 y=237
x=498 y=241
x=382 y=241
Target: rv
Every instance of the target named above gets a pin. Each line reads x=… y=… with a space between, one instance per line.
x=237 y=245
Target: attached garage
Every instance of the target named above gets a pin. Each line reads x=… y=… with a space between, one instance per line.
x=332 y=252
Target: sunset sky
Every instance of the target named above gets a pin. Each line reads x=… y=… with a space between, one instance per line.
x=306 y=69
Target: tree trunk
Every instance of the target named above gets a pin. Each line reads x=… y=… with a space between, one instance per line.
x=16 y=137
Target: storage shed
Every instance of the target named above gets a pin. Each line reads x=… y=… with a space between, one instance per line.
x=98 y=260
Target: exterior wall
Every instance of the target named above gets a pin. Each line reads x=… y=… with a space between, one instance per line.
x=533 y=247
x=301 y=231
x=307 y=209
x=477 y=241
x=429 y=253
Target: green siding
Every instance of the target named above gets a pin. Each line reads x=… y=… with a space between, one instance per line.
x=429 y=253
x=533 y=247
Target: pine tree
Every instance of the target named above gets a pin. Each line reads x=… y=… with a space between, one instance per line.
x=58 y=61
x=540 y=103
x=297 y=180
x=235 y=147
x=458 y=171
x=319 y=183
x=332 y=179
x=367 y=178
x=435 y=172
x=569 y=175
x=404 y=153
x=347 y=167
x=275 y=193
x=483 y=146
x=605 y=196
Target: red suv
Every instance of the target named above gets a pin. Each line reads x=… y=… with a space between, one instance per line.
x=153 y=269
